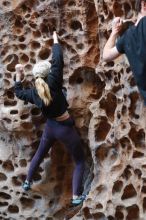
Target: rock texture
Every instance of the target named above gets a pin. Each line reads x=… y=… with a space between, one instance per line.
x=104 y=101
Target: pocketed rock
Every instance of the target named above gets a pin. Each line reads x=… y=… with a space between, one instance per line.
x=103 y=98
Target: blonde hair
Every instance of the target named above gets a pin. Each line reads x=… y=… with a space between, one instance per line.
x=43 y=91
x=41 y=71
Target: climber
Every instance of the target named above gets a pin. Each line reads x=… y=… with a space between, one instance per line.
x=132 y=43
x=47 y=95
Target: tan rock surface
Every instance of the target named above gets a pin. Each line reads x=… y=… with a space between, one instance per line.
x=104 y=101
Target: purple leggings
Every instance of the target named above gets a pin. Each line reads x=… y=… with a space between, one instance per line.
x=66 y=133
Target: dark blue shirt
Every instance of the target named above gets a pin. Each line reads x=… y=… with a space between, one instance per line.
x=133 y=44
x=54 y=80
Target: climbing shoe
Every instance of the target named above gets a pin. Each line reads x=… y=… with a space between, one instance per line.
x=79 y=200
x=26 y=185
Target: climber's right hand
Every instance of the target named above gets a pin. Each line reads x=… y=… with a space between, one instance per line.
x=116 y=25
x=19 y=68
x=19 y=72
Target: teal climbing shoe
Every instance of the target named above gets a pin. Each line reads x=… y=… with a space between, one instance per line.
x=79 y=200
x=26 y=185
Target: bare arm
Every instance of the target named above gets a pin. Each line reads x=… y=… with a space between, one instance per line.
x=110 y=51
x=55 y=37
x=19 y=72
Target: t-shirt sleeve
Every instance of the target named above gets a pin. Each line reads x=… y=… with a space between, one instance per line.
x=120 y=44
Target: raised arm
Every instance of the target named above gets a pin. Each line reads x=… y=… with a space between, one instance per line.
x=56 y=74
x=57 y=54
x=23 y=94
x=110 y=51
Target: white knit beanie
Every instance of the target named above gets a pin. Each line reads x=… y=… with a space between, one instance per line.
x=41 y=69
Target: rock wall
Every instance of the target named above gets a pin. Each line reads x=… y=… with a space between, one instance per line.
x=103 y=99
